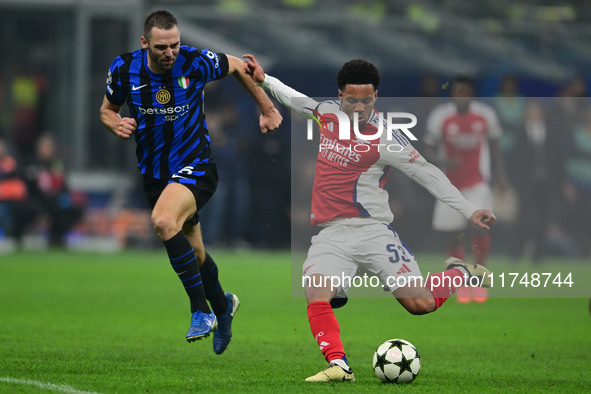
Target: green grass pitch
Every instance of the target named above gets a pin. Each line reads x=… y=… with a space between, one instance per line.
x=115 y=323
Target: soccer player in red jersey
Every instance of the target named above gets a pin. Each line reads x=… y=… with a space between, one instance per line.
x=463 y=134
x=349 y=202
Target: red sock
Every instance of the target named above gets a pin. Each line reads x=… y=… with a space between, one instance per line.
x=456 y=251
x=480 y=247
x=443 y=284
x=326 y=330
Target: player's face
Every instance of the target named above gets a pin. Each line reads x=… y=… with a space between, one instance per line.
x=163 y=48
x=360 y=99
x=462 y=94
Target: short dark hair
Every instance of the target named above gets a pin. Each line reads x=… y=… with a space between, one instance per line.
x=463 y=80
x=358 y=72
x=161 y=19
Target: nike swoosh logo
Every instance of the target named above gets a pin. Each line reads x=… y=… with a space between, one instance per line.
x=178 y=176
x=134 y=88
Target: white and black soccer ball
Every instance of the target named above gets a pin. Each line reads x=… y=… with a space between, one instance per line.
x=396 y=361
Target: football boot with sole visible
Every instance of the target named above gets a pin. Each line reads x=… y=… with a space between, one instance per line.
x=202 y=324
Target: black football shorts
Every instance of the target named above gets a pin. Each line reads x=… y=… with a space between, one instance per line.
x=201 y=180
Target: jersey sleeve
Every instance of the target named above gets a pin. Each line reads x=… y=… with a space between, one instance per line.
x=289 y=97
x=408 y=160
x=115 y=93
x=213 y=65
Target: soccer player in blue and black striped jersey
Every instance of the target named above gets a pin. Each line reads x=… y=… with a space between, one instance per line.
x=162 y=84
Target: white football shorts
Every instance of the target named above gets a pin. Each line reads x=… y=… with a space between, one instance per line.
x=369 y=254
x=445 y=218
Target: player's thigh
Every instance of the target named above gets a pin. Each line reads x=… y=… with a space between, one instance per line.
x=176 y=204
x=328 y=268
x=380 y=252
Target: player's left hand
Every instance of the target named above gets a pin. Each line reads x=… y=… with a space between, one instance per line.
x=483 y=218
x=270 y=120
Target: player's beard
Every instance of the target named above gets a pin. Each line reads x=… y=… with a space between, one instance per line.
x=160 y=61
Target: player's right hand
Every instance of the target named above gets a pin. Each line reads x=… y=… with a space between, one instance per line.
x=270 y=120
x=253 y=68
x=483 y=218
x=126 y=128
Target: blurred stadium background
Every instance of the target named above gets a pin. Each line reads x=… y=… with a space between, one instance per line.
x=56 y=54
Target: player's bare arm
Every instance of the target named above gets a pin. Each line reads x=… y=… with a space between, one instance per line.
x=270 y=118
x=122 y=127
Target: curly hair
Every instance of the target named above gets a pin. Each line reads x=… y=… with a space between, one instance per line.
x=358 y=72
x=161 y=19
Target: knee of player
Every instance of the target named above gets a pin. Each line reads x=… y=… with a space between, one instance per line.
x=165 y=225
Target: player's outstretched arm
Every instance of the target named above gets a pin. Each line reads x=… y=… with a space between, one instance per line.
x=111 y=118
x=270 y=118
x=286 y=95
x=483 y=218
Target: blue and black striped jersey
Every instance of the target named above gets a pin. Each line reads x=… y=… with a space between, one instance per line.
x=172 y=132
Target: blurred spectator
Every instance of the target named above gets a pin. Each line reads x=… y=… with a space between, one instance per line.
x=225 y=217
x=48 y=191
x=27 y=89
x=532 y=170
x=567 y=114
x=12 y=193
x=577 y=184
x=510 y=107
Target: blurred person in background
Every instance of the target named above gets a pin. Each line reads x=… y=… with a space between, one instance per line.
x=576 y=188
x=13 y=193
x=27 y=90
x=225 y=217
x=162 y=84
x=510 y=106
x=462 y=138
x=49 y=194
x=566 y=115
x=533 y=170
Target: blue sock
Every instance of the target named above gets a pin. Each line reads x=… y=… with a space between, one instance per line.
x=184 y=262
x=213 y=289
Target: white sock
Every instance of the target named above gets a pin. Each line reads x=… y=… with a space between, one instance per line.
x=464 y=270
x=341 y=363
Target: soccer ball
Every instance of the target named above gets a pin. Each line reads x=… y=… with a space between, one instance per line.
x=396 y=361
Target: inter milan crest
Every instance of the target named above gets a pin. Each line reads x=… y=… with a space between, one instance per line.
x=163 y=96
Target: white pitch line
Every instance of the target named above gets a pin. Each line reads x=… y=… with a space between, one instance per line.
x=45 y=386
